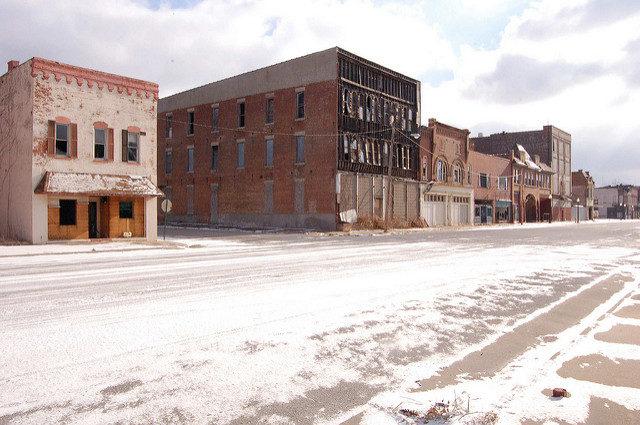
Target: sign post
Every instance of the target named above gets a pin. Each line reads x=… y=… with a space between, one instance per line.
x=166 y=207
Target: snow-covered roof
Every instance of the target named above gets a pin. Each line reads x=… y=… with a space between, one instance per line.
x=93 y=184
x=524 y=159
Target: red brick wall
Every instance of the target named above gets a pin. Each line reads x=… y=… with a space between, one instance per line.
x=241 y=191
x=493 y=166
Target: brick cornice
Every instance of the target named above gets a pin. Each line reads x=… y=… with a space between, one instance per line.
x=73 y=74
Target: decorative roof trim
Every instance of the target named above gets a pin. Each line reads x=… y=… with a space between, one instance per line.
x=72 y=74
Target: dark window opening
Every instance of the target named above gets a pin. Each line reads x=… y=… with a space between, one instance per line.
x=126 y=209
x=300 y=105
x=270 y=110
x=191 y=119
x=215 y=113
x=241 y=114
x=214 y=157
x=67 y=212
x=62 y=139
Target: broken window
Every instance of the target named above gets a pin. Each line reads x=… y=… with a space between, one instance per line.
x=215 y=112
x=191 y=122
x=132 y=146
x=270 y=111
x=360 y=152
x=300 y=104
x=67 y=212
x=241 y=114
x=62 y=139
x=345 y=148
x=368 y=115
x=367 y=149
x=354 y=150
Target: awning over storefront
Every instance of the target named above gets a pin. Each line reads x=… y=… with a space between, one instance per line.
x=93 y=184
x=502 y=204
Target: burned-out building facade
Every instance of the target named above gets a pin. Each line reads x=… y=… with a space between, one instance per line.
x=300 y=144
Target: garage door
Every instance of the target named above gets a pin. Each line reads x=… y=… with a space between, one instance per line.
x=435 y=210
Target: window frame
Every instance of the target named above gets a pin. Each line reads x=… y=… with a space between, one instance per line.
x=191 y=122
x=215 y=156
x=104 y=144
x=135 y=146
x=268 y=161
x=299 y=148
x=215 y=117
x=240 y=153
x=269 y=110
x=190 y=159
x=168 y=161
x=242 y=111
x=169 y=126
x=300 y=105
x=67 y=154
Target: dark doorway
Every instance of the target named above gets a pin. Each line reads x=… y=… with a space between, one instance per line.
x=93 y=219
x=530 y=208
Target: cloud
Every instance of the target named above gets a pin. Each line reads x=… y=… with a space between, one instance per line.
x=586 y=16
x=520 y=79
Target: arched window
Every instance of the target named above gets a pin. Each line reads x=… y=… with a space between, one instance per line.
x=441 y=170
x=457 y=173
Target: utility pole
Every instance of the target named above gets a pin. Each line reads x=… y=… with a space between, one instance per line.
x=389 y=164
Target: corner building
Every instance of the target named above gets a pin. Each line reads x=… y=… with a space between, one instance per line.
x=291 y=145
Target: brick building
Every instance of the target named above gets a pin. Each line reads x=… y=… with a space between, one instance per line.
x=552 y=146
x=77 y=153
x=291 y=145
x=492 y=187
x=445 y=162
x=582 y=185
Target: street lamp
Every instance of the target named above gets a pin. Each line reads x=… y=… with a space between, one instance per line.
x=578 y=209
x=550 y=207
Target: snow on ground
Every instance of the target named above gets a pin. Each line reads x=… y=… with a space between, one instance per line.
x=237 y=328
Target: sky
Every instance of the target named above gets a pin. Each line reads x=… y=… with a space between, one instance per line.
x=485 y=65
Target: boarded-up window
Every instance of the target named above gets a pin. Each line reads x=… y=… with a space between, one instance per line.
x=268 y=197
x=240 y=146
x=299 y=196
x=189 y=199
x=299 y=149
x=190 y=160
x=269 y=153
x=169 y=161
x=125 y=209
x=67 y=212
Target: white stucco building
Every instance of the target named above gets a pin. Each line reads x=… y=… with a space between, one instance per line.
x=77 y=154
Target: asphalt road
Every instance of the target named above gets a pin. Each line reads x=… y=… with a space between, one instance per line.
x=232 y=327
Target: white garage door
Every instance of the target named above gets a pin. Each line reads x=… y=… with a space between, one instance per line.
x=435 y=210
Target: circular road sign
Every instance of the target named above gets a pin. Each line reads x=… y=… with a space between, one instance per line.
x=166 y=205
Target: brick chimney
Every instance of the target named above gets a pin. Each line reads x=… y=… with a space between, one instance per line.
x=12 y=64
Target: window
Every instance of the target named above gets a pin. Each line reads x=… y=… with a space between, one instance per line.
x=300 y=104
x=483 y=180
x=269 y=153
x=132 y=146
x=168 y=162
x=190 y=122
x=214 y=157
x=215 y=114
x=502 y=183
x=126 y=209
x=190 y=160
x=240 y=146
x=300 y=149
x=241 y=114
x=269 y=107
x=441 y=170
x=169 y=126
x=100 y=143
x=67 y=212
x=457 y=174
x=62 y=140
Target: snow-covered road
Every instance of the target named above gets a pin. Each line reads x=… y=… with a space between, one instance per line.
x=245 y=328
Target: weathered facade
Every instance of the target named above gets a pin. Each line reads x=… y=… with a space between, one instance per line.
x=445 y=164
x=292 y=145
x=78 y=153
x=492 y=187
x=582 y=185
x=552 y=146
x=619 y=201
x=532 y=193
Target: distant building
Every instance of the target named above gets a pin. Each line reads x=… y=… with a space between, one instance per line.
x=532 y=181
x=301 y=144
x=583 y=197
x=552 y=146
x=619 y=201
x=492 y=187
x=77 y=153
x=445 y=163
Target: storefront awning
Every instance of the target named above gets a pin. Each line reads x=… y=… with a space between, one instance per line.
x=94 y=184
